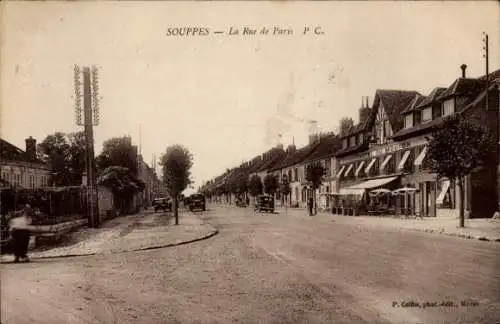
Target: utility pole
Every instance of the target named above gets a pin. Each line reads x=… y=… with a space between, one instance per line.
x=90 y=112
x=487 y=63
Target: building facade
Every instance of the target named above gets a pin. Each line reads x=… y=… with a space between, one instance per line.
x=388 y=149
x=23 y=169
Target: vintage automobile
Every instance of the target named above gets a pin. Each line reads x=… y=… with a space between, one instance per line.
x=197 y=202
x=265 y=203
x=164 y=204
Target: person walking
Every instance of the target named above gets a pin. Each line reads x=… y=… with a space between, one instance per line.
x=310 y=204
x=20 y=233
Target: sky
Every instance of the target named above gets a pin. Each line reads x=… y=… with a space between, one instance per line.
x=228 y=98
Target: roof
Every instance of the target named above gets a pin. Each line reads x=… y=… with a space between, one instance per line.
x=351 y=150
x=270 y=163
x=435 y=93
x=327 y=147
x=295 y=157
x=11 y=152
x=417 y=100
x=461 y=87
x=394 y=102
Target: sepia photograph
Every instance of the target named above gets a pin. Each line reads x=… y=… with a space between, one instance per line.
x=250 y=162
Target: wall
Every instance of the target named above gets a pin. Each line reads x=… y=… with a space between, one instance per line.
x=106 y=202
x=40 y=173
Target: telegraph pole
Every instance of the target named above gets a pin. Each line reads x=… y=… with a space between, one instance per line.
x=90 y=89
x=486 y=57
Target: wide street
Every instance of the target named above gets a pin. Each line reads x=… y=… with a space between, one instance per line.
x=265 y=268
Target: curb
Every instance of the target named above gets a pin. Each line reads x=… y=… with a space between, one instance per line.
x=207 y=236
x=204 y=237
x=464 y=236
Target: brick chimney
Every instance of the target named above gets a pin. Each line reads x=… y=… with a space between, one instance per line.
x=463 y=67
x=364 y=111
x=31 y=147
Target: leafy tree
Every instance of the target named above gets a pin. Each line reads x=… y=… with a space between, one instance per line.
x=255 y=185
x=66 y=154
x=285 y=188
x=456 y=148
x=176 y=164
x=345 y=124
x=271 y=184
x=314 y=174
x=118 y=151
x=242 y=184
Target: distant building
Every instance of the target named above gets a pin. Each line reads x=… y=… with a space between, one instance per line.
x=22 y=169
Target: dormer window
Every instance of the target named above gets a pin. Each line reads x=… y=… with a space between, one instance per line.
x=344 y=143
x=360 y=138
x=427 y=115
x=448 y=107
x=352 y=141
x=409 y=121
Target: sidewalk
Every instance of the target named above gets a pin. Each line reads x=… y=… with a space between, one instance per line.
x=485 y=229
x=145 y=230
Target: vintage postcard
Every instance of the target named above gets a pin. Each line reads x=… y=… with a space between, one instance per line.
x=250 y=161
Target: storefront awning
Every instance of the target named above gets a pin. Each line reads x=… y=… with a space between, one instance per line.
x=420 y=158
x=373 y=183
x=404 y=158
x=340 y=172
x=348 y=170
x=384 y=164
x=359 y=168
x=444 y=190
x=370 y=165
x=350 y=191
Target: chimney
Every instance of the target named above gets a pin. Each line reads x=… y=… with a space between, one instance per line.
x=364 y=111
x=31 y=147
x=463 y=67
x=290 y=149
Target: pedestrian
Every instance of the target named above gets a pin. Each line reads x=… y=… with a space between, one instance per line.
x=310 y=205
x=20 y=233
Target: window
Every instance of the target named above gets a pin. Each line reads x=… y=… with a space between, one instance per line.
x=448 y=107
x=290 y=179
x=427 y=115
x=360 y=138
x=344 y=143
x=328 y=167
x=409 y=121
x=295 y=174
x=387 y=129
x=352 y=141
x=327 y=188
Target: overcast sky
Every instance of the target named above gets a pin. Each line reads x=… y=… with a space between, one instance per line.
x=227 y=98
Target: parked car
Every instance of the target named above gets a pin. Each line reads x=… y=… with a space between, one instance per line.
x=197 y=202
x=265 y=203
x=164 y=204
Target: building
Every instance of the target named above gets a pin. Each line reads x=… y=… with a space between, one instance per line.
x=387 y=149
x=22 y=168
x=324 y=154
x=150 y=179
x=291 y=166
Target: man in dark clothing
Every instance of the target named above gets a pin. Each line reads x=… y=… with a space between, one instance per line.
x=310 y=205
x=20 y=233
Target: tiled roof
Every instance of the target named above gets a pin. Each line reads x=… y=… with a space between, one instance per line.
x=270 y=163
x=461 y=86
x=414 y=104
x=13 y=153
x=295 y=157
x=327 y=147
x=394 y=102
x=435 y=93
x=351 y=150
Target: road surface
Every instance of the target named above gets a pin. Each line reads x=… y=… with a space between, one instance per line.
x=265 y=268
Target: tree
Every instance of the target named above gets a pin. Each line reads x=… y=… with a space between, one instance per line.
x=345 y=124
x=456 y=148
x=270 y=184
x=176 y=164
x=118 y=151
x=314 y=174
x=285 y=187
x=66 y=155
x=255 y=185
